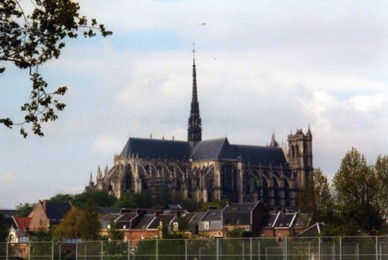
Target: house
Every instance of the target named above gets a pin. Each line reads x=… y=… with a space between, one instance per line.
x=195 y=221
x=211 y=223
x=46 y=215
x=278 y=224
x=246 y=216
x=19 y=232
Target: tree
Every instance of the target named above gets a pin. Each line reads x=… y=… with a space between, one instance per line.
x=25 y=209
x=357 y=193
x=70 y=227
x=126 y=201
x=90 y=222
x=42 y=235
x=323 y=200
x=381 y=170
x=62 y=198
x=29 y=40
x=100 y=198
x=114 y=234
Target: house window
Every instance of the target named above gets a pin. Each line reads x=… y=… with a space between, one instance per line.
x=206 y=225
x=175 y=226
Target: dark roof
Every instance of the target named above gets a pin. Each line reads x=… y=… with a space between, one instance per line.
x=8 y=213
x=210 y=149
x=312 y=231
x=157 y=149
x=126 y=217
x=107 y=210
x=212 y=215
x=260 y=154
x=213 y=149
x=285 y=220
x=240 y=208
x=164 y=218
x=269 y=220
x=196 y=218
x=144 y=222
x=238 y=212
x=55 y=211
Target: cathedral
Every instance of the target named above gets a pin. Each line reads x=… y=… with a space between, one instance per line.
x=207 y=170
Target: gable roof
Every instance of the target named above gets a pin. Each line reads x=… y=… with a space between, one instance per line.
x=212 y=215
x=239 y=212
x=312 y=231
x=269 y=220
x=22 y=222
x=55 y=211
x=144 y=222
x=156 y=149
x=209 y=149
x=260 y=154
x=285 y=220
x=213 y=149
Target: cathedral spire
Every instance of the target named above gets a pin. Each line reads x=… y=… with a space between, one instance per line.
x=194 y=133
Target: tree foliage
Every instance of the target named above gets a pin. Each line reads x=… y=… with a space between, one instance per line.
x=381 y=171
x=90 y=222
x=29 y=40
x=70 y=227
x=23 y=210
x=100 y=198
x=62 y=198
x=357 y=194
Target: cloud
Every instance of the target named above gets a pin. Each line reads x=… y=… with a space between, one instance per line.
x=368 y=103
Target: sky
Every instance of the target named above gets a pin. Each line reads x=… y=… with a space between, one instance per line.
x=263 y=68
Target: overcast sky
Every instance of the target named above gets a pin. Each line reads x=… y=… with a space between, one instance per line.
x=263 y=67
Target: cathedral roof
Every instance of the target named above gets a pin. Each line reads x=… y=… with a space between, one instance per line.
x=157 y=149
x=260 y=154
x=215 y=149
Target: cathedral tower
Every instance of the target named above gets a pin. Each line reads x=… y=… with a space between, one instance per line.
x=194 y=133
x=300 y=155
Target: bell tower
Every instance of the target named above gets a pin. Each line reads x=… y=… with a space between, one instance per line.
x=194 y=132
x=300 y=155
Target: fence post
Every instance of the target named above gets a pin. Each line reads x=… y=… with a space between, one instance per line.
x=251 y=249
x=186 y=248
x=52 y=250
x=6 y=251
x=157 y=249
x=129 y=250
x=102 y=250
x=319 y=248
x=29 y=250
x=243 y=248
x=217 y=249
x=377 y=248
x=340 y=247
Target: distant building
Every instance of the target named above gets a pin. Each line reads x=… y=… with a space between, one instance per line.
x=208 y=170
x=46 y=215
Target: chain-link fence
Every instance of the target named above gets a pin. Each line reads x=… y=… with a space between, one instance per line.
x=342 y=248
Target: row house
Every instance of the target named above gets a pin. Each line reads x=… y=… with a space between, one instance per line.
x=283 y=224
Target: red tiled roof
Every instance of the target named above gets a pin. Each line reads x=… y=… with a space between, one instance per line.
x=22 y=222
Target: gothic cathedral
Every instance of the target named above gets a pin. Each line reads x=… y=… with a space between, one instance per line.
x=210 y=169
